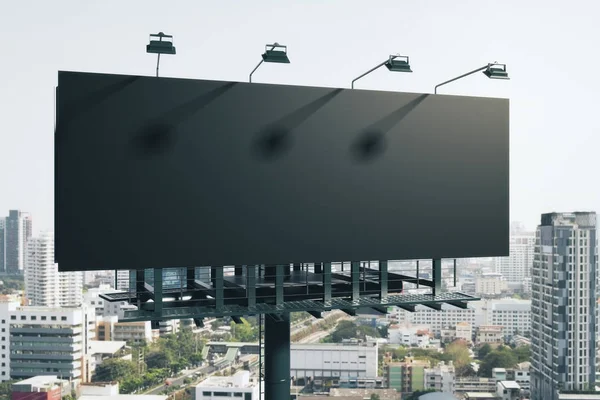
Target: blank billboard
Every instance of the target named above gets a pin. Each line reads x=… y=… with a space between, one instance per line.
x=161 y=172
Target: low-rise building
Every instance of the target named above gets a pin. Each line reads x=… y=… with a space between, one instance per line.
x=440 y=378
x=508 y=390
x=492 y=334
x=407 y=376
x=45 y=340
x=238 y=386
x=41 y=388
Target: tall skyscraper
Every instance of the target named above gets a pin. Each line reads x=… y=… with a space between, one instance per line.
x=2 y=245
x=517 y=266
x=44 y=285
x=563 y=305
x=17 y=232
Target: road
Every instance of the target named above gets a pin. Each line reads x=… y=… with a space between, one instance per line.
x=179 y=380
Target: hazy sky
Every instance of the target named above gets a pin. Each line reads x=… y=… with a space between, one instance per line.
x=551 y=48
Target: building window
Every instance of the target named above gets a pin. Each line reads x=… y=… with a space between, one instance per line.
x=33 y=317
x=53 y=318
x=13 y=317
x=63 y=318
x=23 y=317
x=43 y=317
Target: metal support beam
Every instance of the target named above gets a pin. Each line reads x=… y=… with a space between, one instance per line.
x=158 y=291
x=199 y=322
x=383 y=279
x=239 y=270
x=237 y=320
x=318 y=268
x=277 y=358
x=140 y=281
x=297 y=267
x=434 y=306
x=279 y=275
x=407 y=307
x=327 y=282
x=190 y=277
x=251 y=285
x=460 y=304
x=417 y=274
x=316 y=314
x=355 y=275
x=219 y=288
x=454 y=272
x=437 y=276
x=382 y=310
x=351 y=313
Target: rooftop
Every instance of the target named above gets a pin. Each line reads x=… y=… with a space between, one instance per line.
x=240 y=379
x=510 y=384
x=41 y=381
x=106 y=347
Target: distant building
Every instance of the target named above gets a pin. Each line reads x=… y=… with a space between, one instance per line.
x=512 y=314
x=508 y=390
x=17 y=232
x=109 y=328
x=238 y=386
x=330 y=361
x=448 y=316
x=462 y=331
x=409 y=336
x=490 y=284
x=44 y=285
x=564 y=305
x=2 y=244
x=491 y=334
x=8 y=305
x=517 y=266
x=407 y=376
x=46 y=340
x=46 y=387
x=441 y=378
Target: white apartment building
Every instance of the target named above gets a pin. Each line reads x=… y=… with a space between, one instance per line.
x=490 y=284
x=44 y=285
x=334 y=360
x=517 y=266
x=449 y=316
x=564 y=305
x=51 y=341
x=239 y=386
x=8 y=305
x=409 y=336
x=440 y=378
x=512 y=314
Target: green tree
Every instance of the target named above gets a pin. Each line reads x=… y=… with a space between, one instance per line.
x=114 y=369
x=244 y=332
x=465 y=371
x=484 y=351
x=159 y=359
x=344 y=330
x=458 y=352
x=502 y=357
x=522 y=353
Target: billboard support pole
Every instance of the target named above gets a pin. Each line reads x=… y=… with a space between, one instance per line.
x=277 y=357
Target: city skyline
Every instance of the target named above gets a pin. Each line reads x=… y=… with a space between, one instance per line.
x=552 y=105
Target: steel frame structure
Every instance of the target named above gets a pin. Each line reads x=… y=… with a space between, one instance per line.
x=273 y=291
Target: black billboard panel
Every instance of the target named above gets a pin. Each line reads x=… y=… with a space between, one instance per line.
x=161 y=172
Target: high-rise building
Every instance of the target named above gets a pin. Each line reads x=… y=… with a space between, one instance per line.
x=563 y=305
x=51 y=341
x=17 y=232
x=44 y=285
x=2 y=245
x=8 y=305
x=517 y=266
